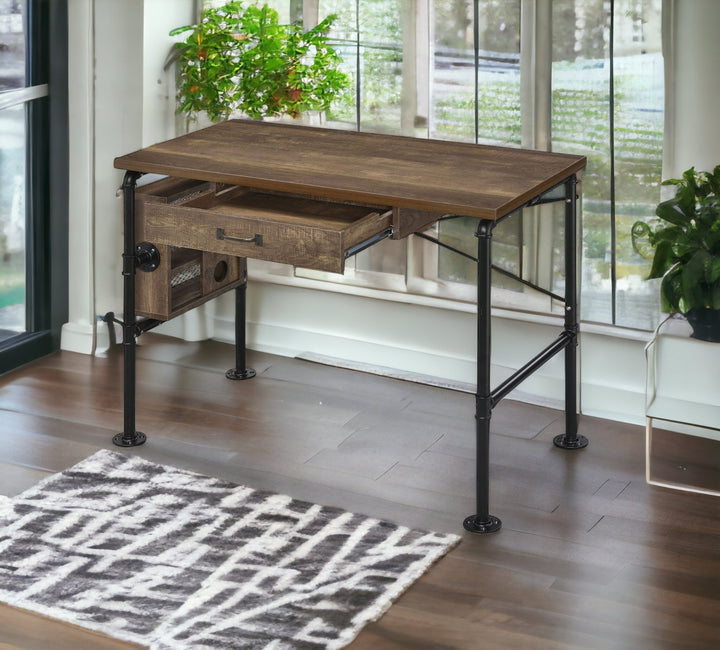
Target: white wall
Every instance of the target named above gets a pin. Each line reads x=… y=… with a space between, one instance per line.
x=119 y=102
x=79 y=333
x=127 y=107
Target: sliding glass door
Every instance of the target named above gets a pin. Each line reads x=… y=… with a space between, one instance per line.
x=13 y=156
x=33 y=135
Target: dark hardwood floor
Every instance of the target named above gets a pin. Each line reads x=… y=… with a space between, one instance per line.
x=589 y=555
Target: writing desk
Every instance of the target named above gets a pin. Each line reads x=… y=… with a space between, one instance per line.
x=311 y=197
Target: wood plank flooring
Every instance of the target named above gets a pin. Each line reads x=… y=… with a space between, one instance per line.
x=589 y=556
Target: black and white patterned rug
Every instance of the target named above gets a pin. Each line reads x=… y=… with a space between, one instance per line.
x=170 y=559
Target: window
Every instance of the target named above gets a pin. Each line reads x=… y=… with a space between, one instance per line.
x=614 y=83
x=576 y=76
x=12 y=169
x=33 y=258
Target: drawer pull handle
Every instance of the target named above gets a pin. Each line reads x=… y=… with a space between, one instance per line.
x=258 y=239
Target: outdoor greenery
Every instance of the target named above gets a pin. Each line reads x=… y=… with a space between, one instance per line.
x=239 y=58
x=380 y=64
x=685 y=244
x=12 y=207
x=498 y=109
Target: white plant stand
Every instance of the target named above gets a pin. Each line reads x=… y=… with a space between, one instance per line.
x=683 y=390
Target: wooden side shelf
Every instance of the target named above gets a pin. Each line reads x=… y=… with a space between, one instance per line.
x=185 y=277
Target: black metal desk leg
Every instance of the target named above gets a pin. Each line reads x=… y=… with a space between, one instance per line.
x=129 y=437
x=570 y=439
x=483 y=521
x=240 y=371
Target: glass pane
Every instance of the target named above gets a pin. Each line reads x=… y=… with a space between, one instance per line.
x=343 y=37
x=376 y=66
x=452 y=87
x=383 y=99
x=453 y=74
x=639 y=103
x=580 y=125
x=387 y=256
x=288 y=10
x=381 y=65
x=498 y=109
x=499 y=72
x=12 y=221
x=12 y=44
x=385 y=50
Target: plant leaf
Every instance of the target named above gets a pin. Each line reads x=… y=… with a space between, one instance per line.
x=713 y=271
x=715 y=297
x=672 y=211
x=662 y=260
x=714 y=180
x=671 y=290
x=182 y=30
x=640 y=235
x=686 y=197
x=694 y=279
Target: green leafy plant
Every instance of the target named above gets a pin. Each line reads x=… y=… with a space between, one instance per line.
x=685 y=244
x=239 y=58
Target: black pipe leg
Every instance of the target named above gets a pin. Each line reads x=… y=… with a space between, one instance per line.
x=483 y=521
x=570 y=439
x=240 y=371
x=129 y=437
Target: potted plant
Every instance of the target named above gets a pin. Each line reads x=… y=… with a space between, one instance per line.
x=240 y=59
x=686 y=245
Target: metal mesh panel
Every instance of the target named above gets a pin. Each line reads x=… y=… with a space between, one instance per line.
x=186 y=275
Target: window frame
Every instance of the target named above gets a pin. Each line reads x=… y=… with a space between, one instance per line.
x=46 y=183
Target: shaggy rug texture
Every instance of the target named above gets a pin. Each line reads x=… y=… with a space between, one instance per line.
x=170 y=559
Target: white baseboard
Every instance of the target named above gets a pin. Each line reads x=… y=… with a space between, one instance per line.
x=546 y=387
x=81 y=337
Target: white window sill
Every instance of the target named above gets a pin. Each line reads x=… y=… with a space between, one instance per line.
x=506 y=304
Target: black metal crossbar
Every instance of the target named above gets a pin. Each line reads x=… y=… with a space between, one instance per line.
x=530 y=367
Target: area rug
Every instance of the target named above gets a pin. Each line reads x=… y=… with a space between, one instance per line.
x=170 y=559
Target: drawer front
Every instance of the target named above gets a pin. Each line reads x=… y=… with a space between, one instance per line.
x=308 y=246
x=166 y=190
x=406 y=222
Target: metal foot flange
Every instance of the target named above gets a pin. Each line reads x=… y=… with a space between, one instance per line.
x=236 y=373
x=121 y=440
x=564 y=442
x=475 y=525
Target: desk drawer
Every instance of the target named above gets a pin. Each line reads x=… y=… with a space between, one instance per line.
x=311 y=233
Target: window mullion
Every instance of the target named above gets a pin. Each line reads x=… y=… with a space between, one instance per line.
x=536 y=110
x=418 y=257
x=536 y=73
x=310 y=13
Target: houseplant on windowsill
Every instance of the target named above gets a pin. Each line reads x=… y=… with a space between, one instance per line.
x=240 y=60
x=686 y=245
